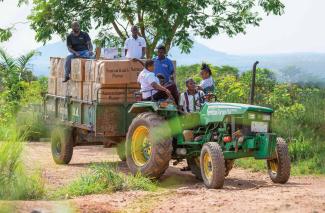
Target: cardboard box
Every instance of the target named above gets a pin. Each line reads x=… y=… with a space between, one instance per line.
x=57 y=67
x=52 y=85
x=62 y=88
x=78 y=69
x=87 y=93
x=90 y=69
x=110 y=95
x=131 y=94
x=135 y=69
x=113 y=72
x=75 y=89
x=53 y=66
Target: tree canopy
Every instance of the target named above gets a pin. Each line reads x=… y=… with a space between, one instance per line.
x=171 y=22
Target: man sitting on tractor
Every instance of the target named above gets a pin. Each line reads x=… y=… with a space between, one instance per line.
x=192 y=99
x=150 y=87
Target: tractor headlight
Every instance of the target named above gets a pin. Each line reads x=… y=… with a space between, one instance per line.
x=266 y=117
x=251 y=116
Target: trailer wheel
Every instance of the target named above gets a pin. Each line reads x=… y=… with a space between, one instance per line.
x=148 y=145
x=120 y=148
x=279 y=168
x=212 y=165
x=194 y=164
x=62 y=145
x=229 y=164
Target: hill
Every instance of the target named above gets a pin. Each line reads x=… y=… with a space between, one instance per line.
x=301 y=66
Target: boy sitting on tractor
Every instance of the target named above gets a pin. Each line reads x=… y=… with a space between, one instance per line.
x=192 y=99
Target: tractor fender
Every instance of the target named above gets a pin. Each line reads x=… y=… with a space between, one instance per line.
x=146 y=106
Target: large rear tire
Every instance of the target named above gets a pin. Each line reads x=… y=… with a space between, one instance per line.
x=194 y=164
x=212 y=165
x=62 y=142
x=148 y=145
x=279 y=168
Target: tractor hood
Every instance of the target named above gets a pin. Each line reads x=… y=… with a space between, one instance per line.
x=215 y=112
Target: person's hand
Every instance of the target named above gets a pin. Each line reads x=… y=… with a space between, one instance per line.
x=169 y=94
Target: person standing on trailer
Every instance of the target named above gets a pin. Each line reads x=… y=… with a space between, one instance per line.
x=135 y=46
x=79 y=45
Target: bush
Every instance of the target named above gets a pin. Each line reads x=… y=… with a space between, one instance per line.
x=104 y=178
x=15 y=183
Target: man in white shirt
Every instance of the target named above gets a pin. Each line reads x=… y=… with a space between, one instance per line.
x=150 y=87
x=192 y=99
x=135 y=46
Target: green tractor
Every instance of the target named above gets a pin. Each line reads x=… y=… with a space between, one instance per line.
x=210 y=140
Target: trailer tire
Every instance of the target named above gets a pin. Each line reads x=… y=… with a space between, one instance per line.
x=62 y=142
x=148 y=151
x=194 y=164
x=120 y=148
x=212 y=165
x=279 y=168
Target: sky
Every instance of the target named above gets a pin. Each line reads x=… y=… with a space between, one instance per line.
x=300 y=29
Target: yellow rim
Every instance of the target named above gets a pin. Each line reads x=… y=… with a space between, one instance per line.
x=140 y=146
x=207 y=166
x=274 y=165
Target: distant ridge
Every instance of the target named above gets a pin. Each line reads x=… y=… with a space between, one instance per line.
x=308 y=64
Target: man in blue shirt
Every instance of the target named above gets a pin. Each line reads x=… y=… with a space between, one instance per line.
x=163 y=65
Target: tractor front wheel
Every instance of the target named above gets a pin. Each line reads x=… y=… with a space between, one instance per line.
x=212 y=165
x=148 y=145
x=279 y=168
x=62 y=142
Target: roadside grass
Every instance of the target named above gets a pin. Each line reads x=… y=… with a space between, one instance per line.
x=104 y=178
x=15 y=182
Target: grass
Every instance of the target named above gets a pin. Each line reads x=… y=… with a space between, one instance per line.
x=104 y=178
x=15 y=183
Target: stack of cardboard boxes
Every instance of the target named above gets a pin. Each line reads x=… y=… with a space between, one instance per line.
x=104 y=81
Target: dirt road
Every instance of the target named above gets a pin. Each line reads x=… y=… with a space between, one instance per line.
x=243 y=191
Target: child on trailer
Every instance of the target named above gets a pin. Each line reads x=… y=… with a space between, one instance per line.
x=207 y=83
x=192 y=99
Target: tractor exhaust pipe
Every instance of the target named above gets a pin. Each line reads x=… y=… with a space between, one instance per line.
x=252 y=92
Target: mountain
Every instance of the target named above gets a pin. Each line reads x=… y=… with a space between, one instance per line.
x=302 y=65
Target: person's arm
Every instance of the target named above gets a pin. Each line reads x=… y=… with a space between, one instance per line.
x=143 y=48
x=89 y=44
x=126 y=46
x=138 y=60
x=157 y=86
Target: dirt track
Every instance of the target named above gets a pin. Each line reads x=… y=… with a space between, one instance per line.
x=243 y=191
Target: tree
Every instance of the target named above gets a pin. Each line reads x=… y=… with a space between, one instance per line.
x=13 y=71
x=171 y=22
x=6 y=32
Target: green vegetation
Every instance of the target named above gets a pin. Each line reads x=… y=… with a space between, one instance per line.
x=299 y=112
x=15 y=182
x=104 y=178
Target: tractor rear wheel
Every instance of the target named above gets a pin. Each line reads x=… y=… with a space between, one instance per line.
x=212 y=165
x=148 y=145
x=279 y=168
x=62 y=141
x=194 y=164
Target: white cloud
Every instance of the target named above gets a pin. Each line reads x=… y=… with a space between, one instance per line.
x=298 y=30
